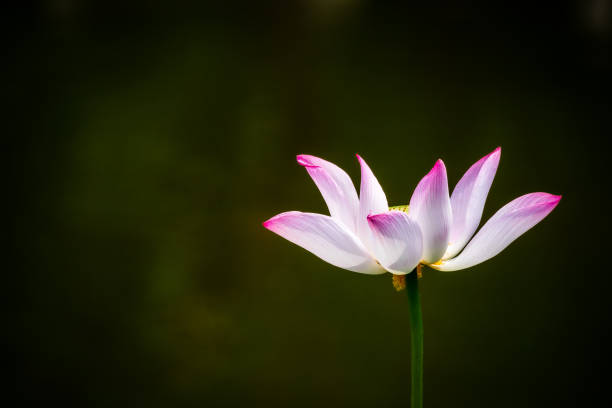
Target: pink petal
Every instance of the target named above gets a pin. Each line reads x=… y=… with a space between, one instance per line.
x=468 y=200
x=397 y=241
x=430 y=207
x=509 y=223
x=336 y=187
x=325 y=237
x=372 y=200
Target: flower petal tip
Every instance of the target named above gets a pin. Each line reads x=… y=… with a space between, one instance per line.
x=305 y=160
x=268 y=224
x=377 y=218
x=272 y=222
x=555 y=199
x=372 y=217
x=549 y=199
x=438 y=166
x=495 y=155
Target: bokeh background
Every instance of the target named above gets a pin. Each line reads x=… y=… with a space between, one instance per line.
x=147 y=141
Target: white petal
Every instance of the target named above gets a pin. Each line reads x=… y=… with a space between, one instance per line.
x=336 y=187
x=372 y=200
x=509 y=223
x=430 y=207
x=468 y=200
x=325 y=237
x=397 y=241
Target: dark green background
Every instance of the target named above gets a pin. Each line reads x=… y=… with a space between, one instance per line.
x=147 y=143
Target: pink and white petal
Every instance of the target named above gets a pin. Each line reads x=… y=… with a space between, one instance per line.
x=468 y=200
x=509 y=223
x=372 y=200
x=430 y=207
x=336 y=187
x=326 y=238
x=397 y=241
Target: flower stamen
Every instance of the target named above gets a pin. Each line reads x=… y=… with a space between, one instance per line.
x=399 y=282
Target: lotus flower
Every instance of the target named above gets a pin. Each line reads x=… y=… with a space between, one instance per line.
x=363 y=234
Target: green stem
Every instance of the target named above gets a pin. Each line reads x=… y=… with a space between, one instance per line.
x=416 y=340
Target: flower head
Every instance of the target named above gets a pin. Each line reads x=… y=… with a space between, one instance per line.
x=363 y=234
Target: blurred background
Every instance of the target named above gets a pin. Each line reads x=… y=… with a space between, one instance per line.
x=148 y=140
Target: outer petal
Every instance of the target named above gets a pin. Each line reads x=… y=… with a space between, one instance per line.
x=372 y=200
x=325 y=237
x=397 y=241
x=509 y=223
x=468 y=200
x=430 y=207
x=336 y=187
